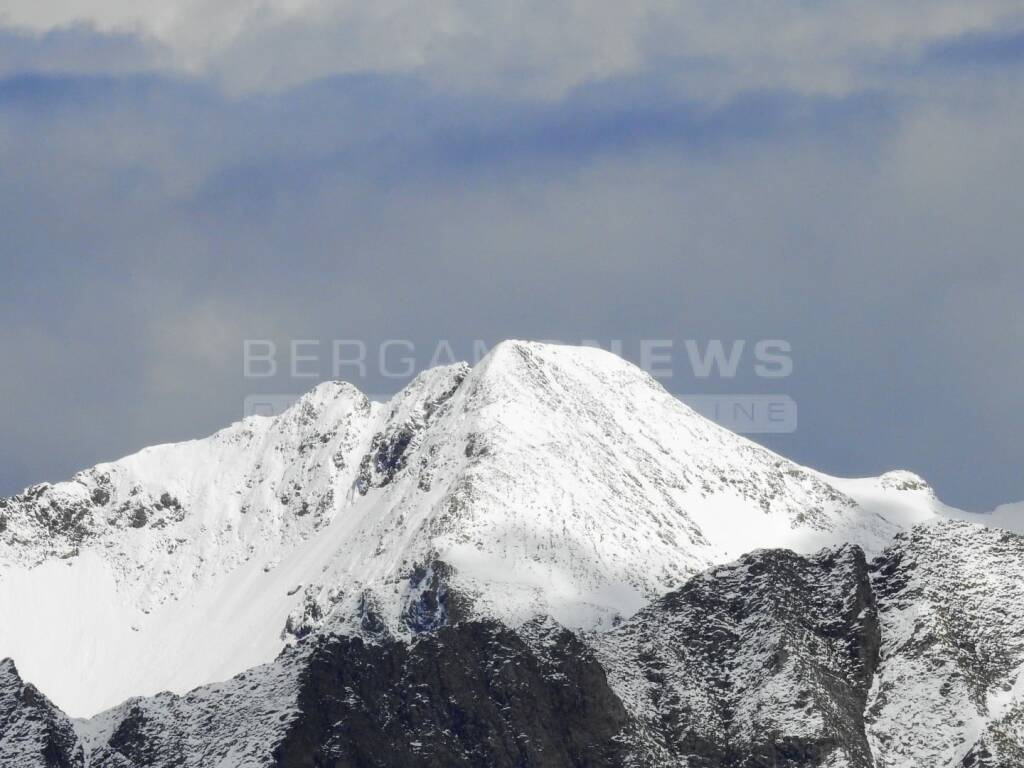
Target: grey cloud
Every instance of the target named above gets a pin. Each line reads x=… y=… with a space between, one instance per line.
x=78 y=49
x=530 y=49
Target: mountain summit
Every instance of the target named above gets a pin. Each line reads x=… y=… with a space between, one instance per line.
x=545 y=481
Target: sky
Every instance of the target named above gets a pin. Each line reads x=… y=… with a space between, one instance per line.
x=843 y=177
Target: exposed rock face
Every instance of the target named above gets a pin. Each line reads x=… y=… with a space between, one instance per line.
x=469 y=695
x=33 y=732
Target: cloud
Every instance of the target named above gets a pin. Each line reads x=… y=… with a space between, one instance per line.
x=538 y=49
x=78 y=49
x=994 y=48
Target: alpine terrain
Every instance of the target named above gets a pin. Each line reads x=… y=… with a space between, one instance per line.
x=542 y=560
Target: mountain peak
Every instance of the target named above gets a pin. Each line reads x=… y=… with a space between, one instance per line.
x=545 y=480
x=542 y=365
x=327 y=393
x=904 y=480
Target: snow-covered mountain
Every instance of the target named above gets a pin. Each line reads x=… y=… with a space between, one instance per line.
x=546 y=480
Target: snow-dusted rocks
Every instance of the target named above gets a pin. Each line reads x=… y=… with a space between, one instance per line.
x=545 y=480
x=33 y=732
x=950 y=690
x=234 y=724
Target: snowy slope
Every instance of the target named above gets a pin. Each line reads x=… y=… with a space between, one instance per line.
x=545 y=480
x=1009 y=517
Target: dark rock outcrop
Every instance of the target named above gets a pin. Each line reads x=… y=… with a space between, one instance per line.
x=765 y=662
x=468 y=695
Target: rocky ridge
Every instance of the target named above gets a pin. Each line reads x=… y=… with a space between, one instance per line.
x=912 y=660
